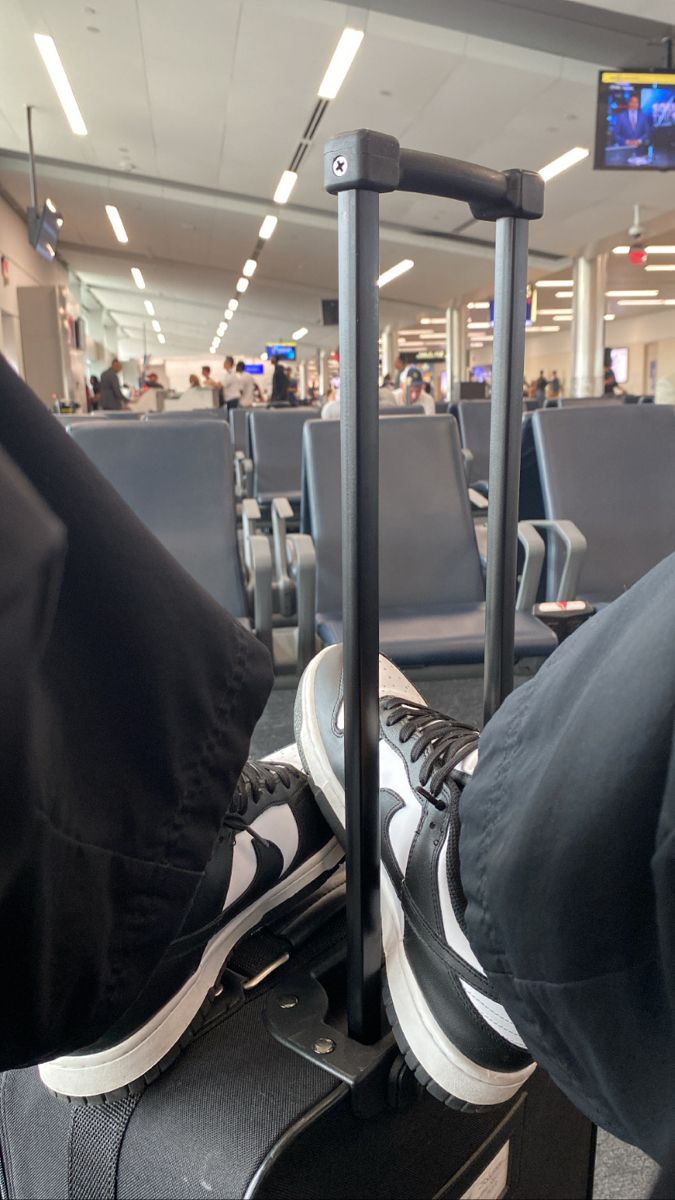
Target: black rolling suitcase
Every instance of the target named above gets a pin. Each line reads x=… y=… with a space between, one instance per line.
x=293 y=1088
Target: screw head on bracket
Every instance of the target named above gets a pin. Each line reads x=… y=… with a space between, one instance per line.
x=324 y=1046
x=339 y=165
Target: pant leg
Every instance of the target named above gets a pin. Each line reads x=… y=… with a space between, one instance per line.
x=129 y=726
x=568 y=862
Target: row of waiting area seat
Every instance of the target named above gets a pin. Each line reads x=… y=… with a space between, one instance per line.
x=605 y=475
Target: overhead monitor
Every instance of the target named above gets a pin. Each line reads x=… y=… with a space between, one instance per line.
x=283 y=350
x=330 y=312
x=254 y=368
x=43 y=230
x=530 y=306
x=635 y=127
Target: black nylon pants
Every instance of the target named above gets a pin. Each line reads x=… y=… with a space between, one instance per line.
x=568 y=863
x=127 y=701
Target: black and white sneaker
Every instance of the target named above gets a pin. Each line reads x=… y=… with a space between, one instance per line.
x=272 y=845
x=447 y=1018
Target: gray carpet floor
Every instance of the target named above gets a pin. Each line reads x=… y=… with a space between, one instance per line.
x=622 y=1172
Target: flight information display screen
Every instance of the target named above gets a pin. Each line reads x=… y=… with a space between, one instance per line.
x=635 y=128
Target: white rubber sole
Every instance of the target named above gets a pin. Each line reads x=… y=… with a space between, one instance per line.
x=106 y=1071
x=457 y=1076
x=328 y=791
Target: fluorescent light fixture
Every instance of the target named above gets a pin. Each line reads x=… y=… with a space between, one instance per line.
x=242 y=284
x=161 y=339
x=343 y=57
x=660 y=249
x=300 y=333
x=228 y=314
x=476 y=345
x=563 y=163
x=249 y=268
x=149 y=308
x=651 y=303
x=268 y=226
x=564 y=295
x=50 y=57
x=116 y=222
x=660 y=267
x=638 y=292
x=399 y=268
x=285 y=187
x=264 y=356
x=559 y=283
x=563 y=317
x=441 y=320
x=621 y=250
x=59 y=221
x=542 y=329
x=478 y=304
x=233 y=304
x=479 y=325
x=552 y=312
x=137 y=276
x=156 y=326
x=609 y=317
x=50 y=205
x=222 y=328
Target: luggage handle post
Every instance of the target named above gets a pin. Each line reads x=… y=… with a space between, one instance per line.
x=357 y=167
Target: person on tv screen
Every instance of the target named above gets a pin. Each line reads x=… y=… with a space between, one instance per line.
x=632 y=126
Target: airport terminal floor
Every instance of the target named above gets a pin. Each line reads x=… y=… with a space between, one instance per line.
x=337 y=689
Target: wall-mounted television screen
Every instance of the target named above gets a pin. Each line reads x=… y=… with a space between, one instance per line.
x=635 y=121
x=284 y=350
x=254 y=368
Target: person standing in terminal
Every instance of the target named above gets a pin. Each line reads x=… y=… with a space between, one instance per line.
x=246 y=387
x=279 y=382
x=540 y=389
x=231 y=384
x=554 y=387
x=111 y=396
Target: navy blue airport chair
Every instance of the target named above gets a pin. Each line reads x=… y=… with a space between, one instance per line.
x=177 y=476
x=276 y=453
x=611 y=472
x=432 y=602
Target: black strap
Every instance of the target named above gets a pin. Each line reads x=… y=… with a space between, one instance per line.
x=96 y=1136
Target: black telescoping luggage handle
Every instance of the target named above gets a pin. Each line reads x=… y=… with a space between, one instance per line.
x=358 y=166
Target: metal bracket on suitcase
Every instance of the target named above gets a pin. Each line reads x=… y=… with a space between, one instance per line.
x=295 y=1014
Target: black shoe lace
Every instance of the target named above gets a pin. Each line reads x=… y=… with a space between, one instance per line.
x=444 y=741
x=256 y=778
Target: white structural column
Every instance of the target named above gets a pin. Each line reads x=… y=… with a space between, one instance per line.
x=302 y=380
x=323 y=372
x=388 y=350
x=588 y=326
x=455 y=350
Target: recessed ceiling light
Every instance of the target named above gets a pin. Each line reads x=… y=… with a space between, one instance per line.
x=552 y=312
x=285 y=187
x=478 y=325
x=609 y=317
x=660 y=267
x=228 y=314
x=222 y=328
x=563 y=317
x=249 y=268
x=264 y=356
x=116 y=222
x=242 y=284
x=637 y=292
x=542 y=329
x=156 y=326
x=233 y=304
x=441 y=320
x=559 y=283
x=50 y=57
x=660 y=249
x=563 y=163
x=161 y=339
x=137 y=276
x=649 y=303
x=268 y=226
x=343 y=57
x=300 y=333
x=399 y=268
x=149 y=308
x=564 y=295
x=478 y=304
x=621 y=250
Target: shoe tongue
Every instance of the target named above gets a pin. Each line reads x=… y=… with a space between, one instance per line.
x=394 y=683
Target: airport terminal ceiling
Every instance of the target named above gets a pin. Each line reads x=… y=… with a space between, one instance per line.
x=202 y=114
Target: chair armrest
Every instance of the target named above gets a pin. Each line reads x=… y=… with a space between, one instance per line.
x=302 y=565
x=260 y=582
x=467 y=459
x=535 y=552
x=243 y=473
x=281 y=513
x=575 y=546
x=478 y=500
x=250 y=515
